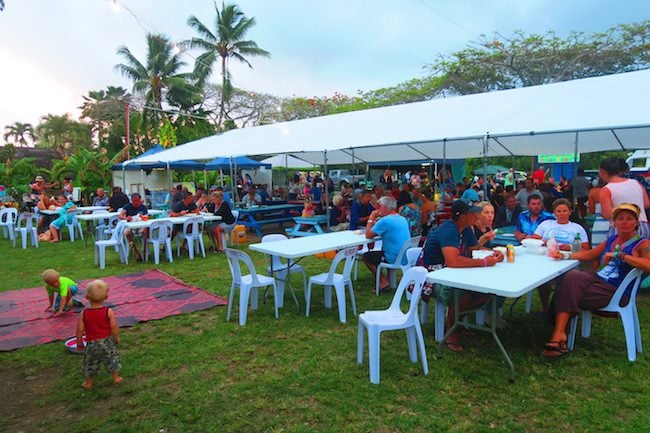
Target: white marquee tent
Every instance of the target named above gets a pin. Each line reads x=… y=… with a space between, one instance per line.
x=587 y=115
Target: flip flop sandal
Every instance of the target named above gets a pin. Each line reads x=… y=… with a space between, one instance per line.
x=555 y=349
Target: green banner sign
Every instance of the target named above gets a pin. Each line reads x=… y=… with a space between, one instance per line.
x=561 y=157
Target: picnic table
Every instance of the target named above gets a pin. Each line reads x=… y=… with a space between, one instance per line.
x=308 y=226
x=273 y=214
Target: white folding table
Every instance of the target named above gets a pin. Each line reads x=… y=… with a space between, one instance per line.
x=296 y=248
x=512 y=280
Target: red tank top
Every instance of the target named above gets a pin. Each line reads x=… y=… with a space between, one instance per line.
x=96 y=323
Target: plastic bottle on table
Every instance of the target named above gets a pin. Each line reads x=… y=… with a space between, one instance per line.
x=577 y=244
x=551 y=245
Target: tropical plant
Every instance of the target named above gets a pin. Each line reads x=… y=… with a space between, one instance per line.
x=17 y=173
x=20 y=132
x=224 y=43
x=167 y=136
x=105 y=111
x=63 y=134
x=155 y=79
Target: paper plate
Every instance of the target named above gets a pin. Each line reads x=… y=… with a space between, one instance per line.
x=71 y=344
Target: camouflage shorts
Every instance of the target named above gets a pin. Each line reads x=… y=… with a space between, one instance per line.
x=101 y=352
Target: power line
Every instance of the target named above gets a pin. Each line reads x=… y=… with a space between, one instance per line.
x=440 y=14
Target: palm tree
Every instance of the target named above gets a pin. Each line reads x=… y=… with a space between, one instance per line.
x=19 y=131
x=159 y=74
x=226 y=42
x=63 y=134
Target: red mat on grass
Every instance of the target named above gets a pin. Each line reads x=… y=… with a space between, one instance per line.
x=134 y=298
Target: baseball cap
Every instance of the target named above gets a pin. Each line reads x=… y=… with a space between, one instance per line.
x=628 y=207
x=459 y=207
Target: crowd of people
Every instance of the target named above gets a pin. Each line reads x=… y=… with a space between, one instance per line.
x=403 y=207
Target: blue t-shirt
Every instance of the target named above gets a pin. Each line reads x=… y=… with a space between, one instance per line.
x=394 y=232
x=316 y=193
x=528 y=227
x=357 y=211
x=447 y=235
x=470 y=195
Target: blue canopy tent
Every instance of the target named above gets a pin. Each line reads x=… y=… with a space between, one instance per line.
x=136 y=165
x=222 y=163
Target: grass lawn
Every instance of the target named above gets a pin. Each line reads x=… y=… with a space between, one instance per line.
x=198 y=373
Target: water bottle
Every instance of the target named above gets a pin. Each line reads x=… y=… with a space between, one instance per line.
x=577 y=244
x=551 y=245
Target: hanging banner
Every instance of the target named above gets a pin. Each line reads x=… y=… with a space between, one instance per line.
x=560 y=157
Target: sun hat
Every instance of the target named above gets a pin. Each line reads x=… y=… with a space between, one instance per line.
x=631 y=207
x=39 y=179
x=459 y=207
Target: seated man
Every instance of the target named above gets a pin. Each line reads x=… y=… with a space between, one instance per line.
x=361 y=210
x=118 y=199
x=100 y=199
x=184 y=207
x=530 y=219
x=252 y=198
x=394 y=231
x=508 y=214
x=451 y=244
x=129 y=211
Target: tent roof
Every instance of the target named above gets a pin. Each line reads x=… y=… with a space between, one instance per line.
x=285 y=160
x=601 y=113
x=239 y=162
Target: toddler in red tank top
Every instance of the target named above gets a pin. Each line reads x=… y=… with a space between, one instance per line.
x=102 y=335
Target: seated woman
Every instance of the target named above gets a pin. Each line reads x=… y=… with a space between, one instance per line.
x=564 y=232
x=64 y=218
x=411 y=212
x=219 y=207
x=338 y=214
x=580 y=290
x=483 y=227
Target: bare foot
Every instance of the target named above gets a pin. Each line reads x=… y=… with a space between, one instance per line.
x=117 y=378
x=453 y=344
x=53 y=240
x=88 y=383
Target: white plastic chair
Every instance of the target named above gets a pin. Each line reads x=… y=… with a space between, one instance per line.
x=278 y=269
x=73 y=225
x=338 y=281
x=160 y=233
x=193 y=233
x=392 y=267
x=118 y=241
x=628 y=314
x=27 y=224
x=393 y=319
x=8 y=218
x=364 y=249
x=248 y=284
x=228 y=230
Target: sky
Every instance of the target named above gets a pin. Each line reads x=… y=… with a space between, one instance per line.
x=52 y=52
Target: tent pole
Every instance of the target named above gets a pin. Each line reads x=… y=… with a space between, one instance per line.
x=233 y=187
x=286 y=166
x=221 y=177
x=485 y=181
x=327 y=201
x=444 y=167
x=575 y=157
